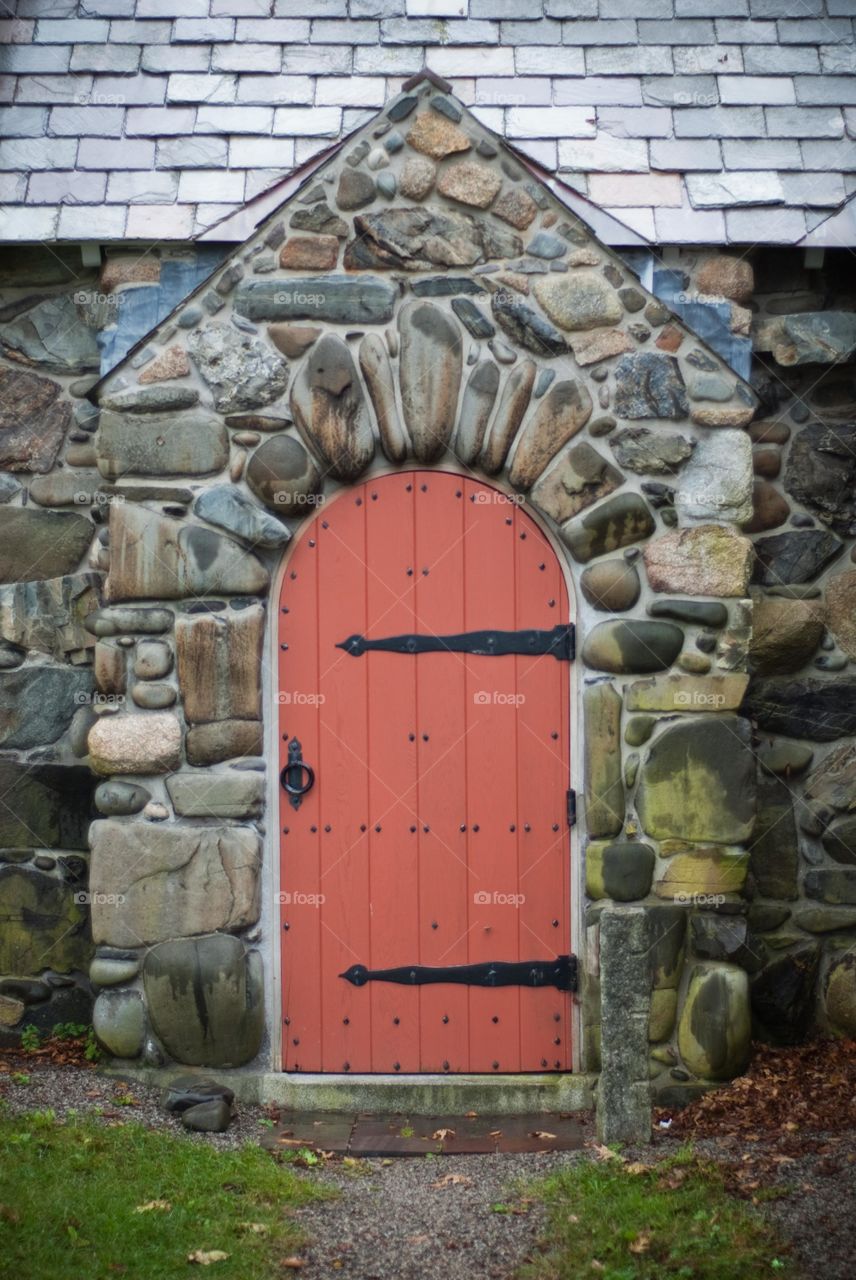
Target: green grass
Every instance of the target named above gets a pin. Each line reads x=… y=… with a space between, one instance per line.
x=673 y=1222
x=69 y=1195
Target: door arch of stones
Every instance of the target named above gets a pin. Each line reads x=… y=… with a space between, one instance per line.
x=563 y=884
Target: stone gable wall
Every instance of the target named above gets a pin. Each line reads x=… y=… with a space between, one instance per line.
x=421 y=300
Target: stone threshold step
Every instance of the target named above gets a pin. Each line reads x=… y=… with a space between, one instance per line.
x=423 y=1095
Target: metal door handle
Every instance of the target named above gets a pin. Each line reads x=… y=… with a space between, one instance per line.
x=296 y=790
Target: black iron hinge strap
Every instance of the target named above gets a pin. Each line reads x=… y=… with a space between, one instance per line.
x=559 y=642
x=560 y=973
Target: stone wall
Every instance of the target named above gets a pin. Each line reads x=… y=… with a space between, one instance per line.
x=421 y=300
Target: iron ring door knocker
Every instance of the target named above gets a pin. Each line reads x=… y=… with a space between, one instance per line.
x=296 y=790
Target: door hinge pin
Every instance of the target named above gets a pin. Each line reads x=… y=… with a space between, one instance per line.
x=572 y=807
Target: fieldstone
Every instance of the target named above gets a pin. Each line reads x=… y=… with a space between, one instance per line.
x=119 y=1020
x=604 y=786
x=783 y=994
x=430 y=366
x=825 y=919
x=42 y=920
x=839 y=841
x=153 y=557
x=649 y=385
x=435 y=136
x=617 y=523
x=38 y=702
x=171 y=363
x=153 y=659
x=33 y=421
x=119 y=621
x=46 y=805
x=293 y=340
x=831 y=786
x=697 y=782
x=28 y=991
x=283 y=476
x=774 y=849
x=794 y=556
x=840 y=610
x=513 y=403
x=621 y=871
x=788 y=758
x=579 y=300
x=190 y=1091
x=212 y=1116
x=242 y=372
x=835 y=887
x=708 y=560
x=820 y=710
x=785 y=633
x=716 y=937
x=223 y=740
x=612 y=586
x=515 y=207
x=143 y=400
x=813 y=337
x=415 y=239
x=341 y=300
x=417 y=176
x=35 y=545
x=725 y=276
x=599 y=344
x=579 y=478
x=628 y=646
x=546 y=245
x=219 y=665
x=477 y=404
x=355 y=190
x=53 y=335
x=310 y=253
x=153 y=697
x=469 y=183
x=206 y=1000
x=230 y=509
x=134 y=744
x=330 y=410
x=661 y=1020
x=49 y=615
x=769 y=508
x=526 y=326
x=702 y=613
x=821 y=473
x=319 y=218
x=714 y=1031
x=709 y=386
x=66 y=489
x=688 y=692
x=716 y=483
x=840 y=995
x=189 y=444
x=472 y=318
x=149 y=883
x=380 y=381
x=217 y=795
x=737 y=415
x=650 y=452
x=117 y=798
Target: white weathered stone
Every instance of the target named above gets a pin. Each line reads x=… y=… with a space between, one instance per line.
x=135 y=743
x=716 y=483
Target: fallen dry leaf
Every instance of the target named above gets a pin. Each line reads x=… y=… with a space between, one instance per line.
x=293 y=1263
x=153 y=1204
x=604 y=1153
x=440 y=1135
x=641 y=1244
x=453 y=1180
x=543 y=1135
x=205 y=1258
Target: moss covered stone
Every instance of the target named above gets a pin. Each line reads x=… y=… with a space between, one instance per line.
x=703 y=874
x=661 y=1021
x=841 y=995
x=604 y=788
x=624 y=647
x=621 y=871
x=698 y=782
x=687 y=693
x=715 y=1024
x=43 y=926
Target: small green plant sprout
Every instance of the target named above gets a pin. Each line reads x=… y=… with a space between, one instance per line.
x=30 y=1039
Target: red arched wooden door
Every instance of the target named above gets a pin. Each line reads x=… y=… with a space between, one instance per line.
x=435 y=835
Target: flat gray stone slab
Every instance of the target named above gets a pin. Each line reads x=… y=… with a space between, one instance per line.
x=398 y=1135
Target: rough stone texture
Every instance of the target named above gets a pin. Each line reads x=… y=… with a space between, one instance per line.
x=526 y=326
x=648 y=385
x=840 y=995
x=697 y=782
x=469 y=183
x=229 y=509
x=516 y=208
x=54 y=336
x=172 y=363
x=785 y=633
x=579 y=300
x=580 y=478
x=709 y=560
x=628 y=646
x=193 y=443
x=33 y=422
x=283 y=476
x=430 y=365
x=703 y=874
x=356 y=189
x=119 y=1019
x=612 y=586
x=310 y=253
x=293 y=340
x=218 y=659
x=614 y=524
x=145 y=400
x=814 y=337
x=206 y=1000
x=840 y=610
x=796 y=556
x=44 y=805
x=821 y=472
x=623 y=1096
x=37 y=703
x=716 y=483
x=223 y=740
x=715 y=1025
x=380 y=382
x=604 y=786
x=49 y=615
x=415 y=239
x=563 y=411
x=678 y=692
x=836 y=887
x=621 y=871
x=153 y=557
x=330 y=409
x=236 y=794
x=35 y=545
x=242 y=372
x=150 y=883
x=343 y=300
x=726 y=277
x=435 y=136
x=417 y=178
x=44 y=926
x=783 y=994
x=134 y=743
x=650 y=452
x=804 y=707
x=774 y=850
